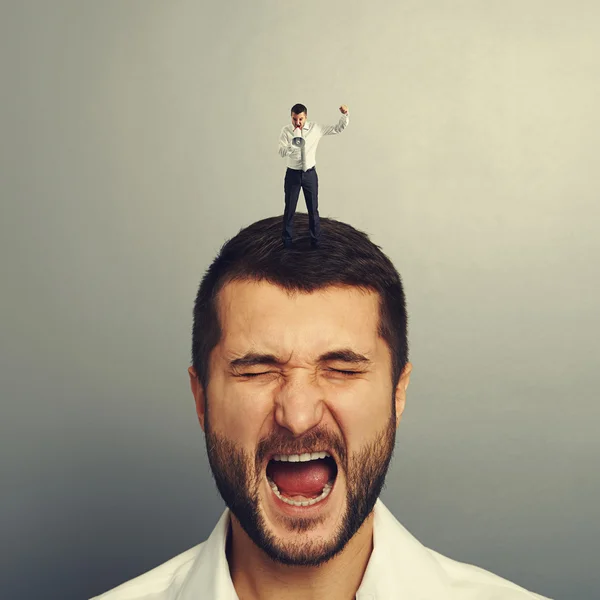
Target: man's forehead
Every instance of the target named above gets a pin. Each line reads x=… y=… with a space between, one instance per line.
x=344 y=322
x=251 y=306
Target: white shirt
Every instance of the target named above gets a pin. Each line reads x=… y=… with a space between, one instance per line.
x=400 y=568
x=312 y=133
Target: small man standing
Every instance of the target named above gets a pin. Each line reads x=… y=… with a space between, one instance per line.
x=298 y=143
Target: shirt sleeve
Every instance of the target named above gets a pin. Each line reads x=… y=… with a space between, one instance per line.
x=333 y=129
x=285 y=146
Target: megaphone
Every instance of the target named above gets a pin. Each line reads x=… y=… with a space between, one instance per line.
x=298 y=140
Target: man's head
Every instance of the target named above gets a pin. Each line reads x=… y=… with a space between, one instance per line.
x=300 y=368
x=299 y=113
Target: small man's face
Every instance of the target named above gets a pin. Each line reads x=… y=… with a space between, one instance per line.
x=301 y=415
x=298 y=120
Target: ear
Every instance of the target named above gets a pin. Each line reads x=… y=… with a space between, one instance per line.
x=199 y=396
x=400 y=393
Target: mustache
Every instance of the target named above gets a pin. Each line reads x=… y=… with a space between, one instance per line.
x=316 y=440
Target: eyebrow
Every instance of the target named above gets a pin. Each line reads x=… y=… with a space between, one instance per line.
x=254 y=358
x=345 y=355
x=342 y=355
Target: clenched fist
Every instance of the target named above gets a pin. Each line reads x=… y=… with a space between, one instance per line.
x=344 y=109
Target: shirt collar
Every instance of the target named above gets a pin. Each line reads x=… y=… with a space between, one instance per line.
x=399 y=566
x=209 y=576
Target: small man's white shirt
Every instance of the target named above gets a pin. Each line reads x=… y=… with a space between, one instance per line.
x=311 y=132
x=400 y=568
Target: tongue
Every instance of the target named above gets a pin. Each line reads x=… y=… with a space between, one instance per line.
x=300 y=478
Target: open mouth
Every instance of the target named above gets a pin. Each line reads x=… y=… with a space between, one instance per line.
x=302 y=479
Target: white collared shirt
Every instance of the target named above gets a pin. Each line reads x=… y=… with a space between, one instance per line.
x=400 y=568
x=312 y=133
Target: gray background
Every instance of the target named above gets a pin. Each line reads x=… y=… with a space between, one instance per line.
x=138 y=136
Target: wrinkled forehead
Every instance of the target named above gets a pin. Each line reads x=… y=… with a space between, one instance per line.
x=259 y=309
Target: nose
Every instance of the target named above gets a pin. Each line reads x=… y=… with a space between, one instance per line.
x=299 y=405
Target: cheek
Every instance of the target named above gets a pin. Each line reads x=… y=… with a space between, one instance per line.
x=238 y=412
x=362 y=412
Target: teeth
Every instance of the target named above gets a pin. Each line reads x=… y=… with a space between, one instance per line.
x=301 y=457
x=326 y=491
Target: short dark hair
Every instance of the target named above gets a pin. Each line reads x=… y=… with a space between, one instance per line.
x=346 y=257
x=299 y=108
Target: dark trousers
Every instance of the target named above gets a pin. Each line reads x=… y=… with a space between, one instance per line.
x=309 y=183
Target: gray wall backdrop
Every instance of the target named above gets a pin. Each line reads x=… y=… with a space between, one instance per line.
x=138 y=136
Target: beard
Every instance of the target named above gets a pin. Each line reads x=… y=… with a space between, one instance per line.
x=238 y=477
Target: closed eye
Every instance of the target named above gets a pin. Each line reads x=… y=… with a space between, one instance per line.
x=252 y=374
x=345 y=372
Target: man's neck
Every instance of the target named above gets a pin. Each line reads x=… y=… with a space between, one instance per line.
x=255 y=576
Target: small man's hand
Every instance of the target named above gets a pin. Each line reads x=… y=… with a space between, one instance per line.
x=344 y=109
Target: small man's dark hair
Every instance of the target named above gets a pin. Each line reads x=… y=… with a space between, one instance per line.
x=299 y=108
x=346 y=257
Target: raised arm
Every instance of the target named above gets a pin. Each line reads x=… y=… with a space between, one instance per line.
x=341 y=124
